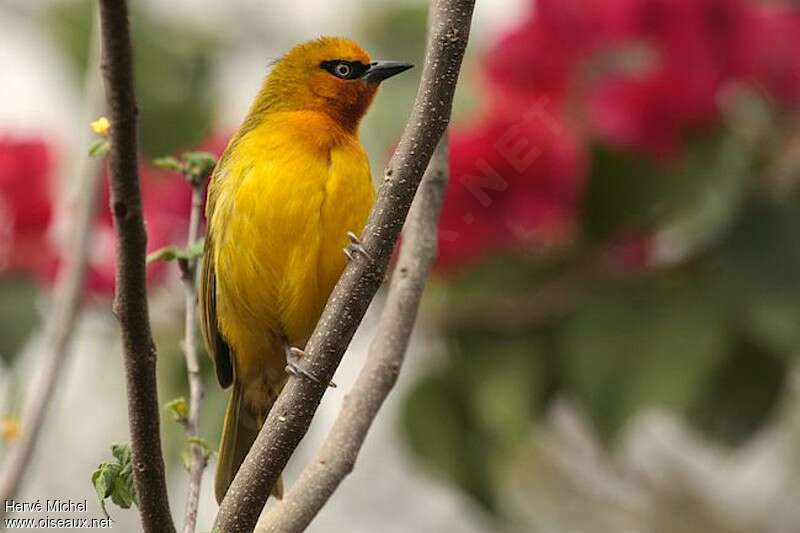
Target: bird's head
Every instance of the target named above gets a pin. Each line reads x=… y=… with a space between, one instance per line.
x=330 y=74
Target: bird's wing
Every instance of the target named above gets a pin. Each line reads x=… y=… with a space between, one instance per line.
x=218 y=349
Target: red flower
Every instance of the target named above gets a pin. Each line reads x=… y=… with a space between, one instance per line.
x=653 y=114
x=540 y=57
x=166 y=199
x=524 y=66
x=776 y=53
x=25 y=203
x=584 y=56
x=513 y=184
x=579 y=26
x=700 y=46
x=715 y=34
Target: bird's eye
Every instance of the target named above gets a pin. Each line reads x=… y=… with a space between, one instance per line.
x=343 y=70
x=346 y=70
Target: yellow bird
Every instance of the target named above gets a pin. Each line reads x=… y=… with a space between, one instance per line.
x=288 y=196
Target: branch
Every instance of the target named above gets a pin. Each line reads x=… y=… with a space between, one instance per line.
x=337 y=457
x=199 y=457
x=130 y=302
x=291 y=415
x=67 y=297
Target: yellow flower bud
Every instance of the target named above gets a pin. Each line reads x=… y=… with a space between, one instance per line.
x=9 y=429
x=101 y=126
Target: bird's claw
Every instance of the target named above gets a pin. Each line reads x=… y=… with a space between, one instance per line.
x=297 y=370
x=355 y=247
x=293 y=367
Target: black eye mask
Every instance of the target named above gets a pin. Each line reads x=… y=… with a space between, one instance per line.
x=346 y=70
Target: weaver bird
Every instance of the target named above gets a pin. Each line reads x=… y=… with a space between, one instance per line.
x=288 y=195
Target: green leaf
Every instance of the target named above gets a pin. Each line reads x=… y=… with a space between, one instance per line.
x=756 y=270
x=103 y=480
x=100 y=148
x=439 y=430
x=168 y=253
x=435 y=427
x=773 y=318
x=114 y=479
x=18 y=315
x=195 y=250
x=198 y=165
x=742 y=395
x=123 y=492
x=625 y=192
x=178 y=408
x=203 y=443
x=122 y=453
x=695 y=196
x=186 y=459
x=632 y=346
x=504 y=382
x=168 y=163
x=99 y=487
x=172 y=253
x=186 y=455
x=712 y=204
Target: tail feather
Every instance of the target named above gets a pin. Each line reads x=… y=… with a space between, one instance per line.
x=238 y=434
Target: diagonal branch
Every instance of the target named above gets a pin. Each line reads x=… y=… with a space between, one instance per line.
x=130 y=302
x=291 y=415
x=337 y=457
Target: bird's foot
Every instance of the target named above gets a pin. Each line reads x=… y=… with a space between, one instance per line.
x=355 y=247
x=293 y=366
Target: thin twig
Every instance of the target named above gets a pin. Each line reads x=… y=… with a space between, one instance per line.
x=67 y=296
x=291 y=415
x=130 y=302
x=337 y=457
x=199 y=457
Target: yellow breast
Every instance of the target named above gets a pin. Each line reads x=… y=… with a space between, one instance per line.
x=286 y=196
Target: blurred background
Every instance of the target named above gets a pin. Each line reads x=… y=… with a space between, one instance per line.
x=610 y=340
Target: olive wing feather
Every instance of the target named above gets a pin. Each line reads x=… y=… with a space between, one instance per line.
x=218 y=349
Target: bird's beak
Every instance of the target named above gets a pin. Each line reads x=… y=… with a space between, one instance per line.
x=381 y=70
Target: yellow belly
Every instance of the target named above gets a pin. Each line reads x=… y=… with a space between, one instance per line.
x=284 y=206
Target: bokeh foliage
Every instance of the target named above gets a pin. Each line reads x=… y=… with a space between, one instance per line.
x=175 y=95
x=707 y=331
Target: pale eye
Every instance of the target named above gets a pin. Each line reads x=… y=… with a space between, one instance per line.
x=343 y=70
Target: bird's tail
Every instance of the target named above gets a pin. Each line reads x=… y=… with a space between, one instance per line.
x=238 y=434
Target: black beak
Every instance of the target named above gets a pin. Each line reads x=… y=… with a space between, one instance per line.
x=381 y=70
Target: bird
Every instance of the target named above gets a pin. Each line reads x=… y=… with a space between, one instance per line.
x=284 y=206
